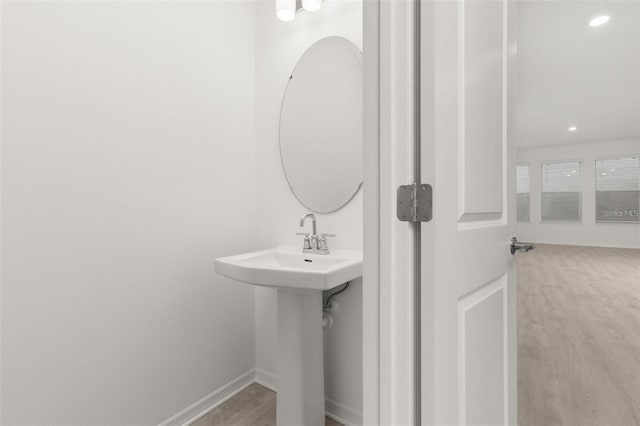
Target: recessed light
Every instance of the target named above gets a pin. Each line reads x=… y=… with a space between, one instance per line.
x=604 y=173
x=599 y=20
x=573 y=128
x=568 y=175
x=613 y=170
x=574 y=171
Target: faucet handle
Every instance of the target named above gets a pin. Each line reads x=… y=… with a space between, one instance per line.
x=307 y=240
x=322 y=242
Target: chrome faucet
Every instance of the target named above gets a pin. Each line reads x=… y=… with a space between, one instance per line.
x=313 y=244
x=313 y=222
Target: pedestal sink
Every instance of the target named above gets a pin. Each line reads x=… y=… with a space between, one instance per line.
x=300 y=279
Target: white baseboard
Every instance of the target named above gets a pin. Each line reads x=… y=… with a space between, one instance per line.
x=266 y=379
x=342 y=414
x=209 y=402
x=335 y=410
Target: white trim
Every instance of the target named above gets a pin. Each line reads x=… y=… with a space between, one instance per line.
x=461 y=109
x=387 y=332
x=341 y=413
x=372 y=368
x=266 y=379
x=209 y=402
x=395 y=250
x=506 y=161
x=1 y=328
x=505 y=349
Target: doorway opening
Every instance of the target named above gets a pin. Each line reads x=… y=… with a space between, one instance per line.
x=578 y=197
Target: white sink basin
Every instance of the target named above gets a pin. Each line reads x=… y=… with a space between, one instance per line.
x=288 y=268
x=300 y=279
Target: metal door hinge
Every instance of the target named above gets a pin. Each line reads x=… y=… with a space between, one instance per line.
x=415 y=203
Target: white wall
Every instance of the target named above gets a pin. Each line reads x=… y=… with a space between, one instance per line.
x=587 y=233
x=127 y=166
x=279 y=45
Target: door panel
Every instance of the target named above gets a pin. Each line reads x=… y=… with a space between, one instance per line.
x=483 y=330
x=471 y=272
x=481 y=56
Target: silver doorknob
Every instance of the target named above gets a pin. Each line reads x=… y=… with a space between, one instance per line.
x=515 y=246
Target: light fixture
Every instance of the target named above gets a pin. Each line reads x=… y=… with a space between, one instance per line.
x=604 y=173
x=311 y=5
x=599 y=20
x=286 y=10
x=574 y=171
x=573 y=128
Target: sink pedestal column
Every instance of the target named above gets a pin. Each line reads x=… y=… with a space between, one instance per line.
x=300 y=382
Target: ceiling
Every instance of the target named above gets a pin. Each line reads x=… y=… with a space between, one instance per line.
x=571 y=74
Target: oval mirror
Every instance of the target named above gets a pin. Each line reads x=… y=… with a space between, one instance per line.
x=321 y=125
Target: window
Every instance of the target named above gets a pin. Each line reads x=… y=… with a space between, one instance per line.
x=618 y=190
x=522 y=190
x=561 y=192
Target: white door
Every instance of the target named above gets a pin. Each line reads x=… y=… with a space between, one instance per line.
x=469 y=292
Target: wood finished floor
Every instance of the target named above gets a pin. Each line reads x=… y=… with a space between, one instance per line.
x=579 y=336
x=253 y=406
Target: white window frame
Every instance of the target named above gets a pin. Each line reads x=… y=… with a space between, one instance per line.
x=581 y=201
x=528 y=164
x=595 y=189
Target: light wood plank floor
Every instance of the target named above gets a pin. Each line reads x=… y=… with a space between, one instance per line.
x=578 y=336
x=253 y=406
